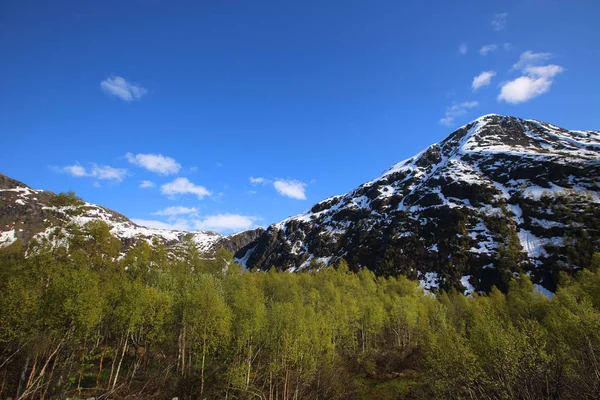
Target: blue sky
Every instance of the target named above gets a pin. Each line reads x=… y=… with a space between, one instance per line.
x=239 y=114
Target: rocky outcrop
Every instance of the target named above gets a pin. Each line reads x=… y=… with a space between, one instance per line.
x=233 y=243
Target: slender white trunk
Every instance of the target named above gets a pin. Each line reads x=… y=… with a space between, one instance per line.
x=120 y=362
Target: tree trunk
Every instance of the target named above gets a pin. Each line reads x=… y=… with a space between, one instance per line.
x=112 y=365
x=43 y=370
x=202 y=369
x=49 y=379
x=99 y=369
x=120 y=362
x=285 y=385
x=297 y=384
x=183 y=351
x=249 y=365
x=33 y=368
x=22 y=378
x=3 y=382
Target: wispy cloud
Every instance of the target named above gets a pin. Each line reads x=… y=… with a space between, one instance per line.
x=536 y=79
x=259 y=180
x=499 y=21
x=183 y=186
x=181 y=225
x=488 y=48
x=224 y=223
x=176 y=210
x=108 y=172
x=457 y=110
x=119 y=87
x=530 y=58
x=483 y=79
x=463 y=48
x=75 y=170
x=155 y=163
x=291 y=188
x=104 y=172
x=147 y=184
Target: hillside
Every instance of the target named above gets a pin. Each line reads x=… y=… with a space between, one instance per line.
x=498 y=196
x=28 y=214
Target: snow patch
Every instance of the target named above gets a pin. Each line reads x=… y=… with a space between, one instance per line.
x=469 y=289
x=7 y=238
x=429 y=281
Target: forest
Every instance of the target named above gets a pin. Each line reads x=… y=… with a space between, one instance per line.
x=81 y=319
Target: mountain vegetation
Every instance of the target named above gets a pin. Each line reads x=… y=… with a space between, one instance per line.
x=78 y=318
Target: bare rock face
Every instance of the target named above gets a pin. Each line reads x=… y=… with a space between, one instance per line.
x=235 y=242
x=499 y=196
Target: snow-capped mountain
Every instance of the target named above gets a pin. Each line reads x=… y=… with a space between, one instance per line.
x=498 y=196
x=27 y=214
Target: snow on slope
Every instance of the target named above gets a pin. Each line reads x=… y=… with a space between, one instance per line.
x=31 y=209
x=486 y=169
x=572 y=145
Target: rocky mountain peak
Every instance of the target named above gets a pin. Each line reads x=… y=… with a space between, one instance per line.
x=453 y=209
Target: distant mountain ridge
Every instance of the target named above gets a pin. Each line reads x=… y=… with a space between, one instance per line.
x=27 y=214
x=498 y=196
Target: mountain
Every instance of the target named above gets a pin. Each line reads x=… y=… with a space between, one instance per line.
x=27 y=214
x=499 y=196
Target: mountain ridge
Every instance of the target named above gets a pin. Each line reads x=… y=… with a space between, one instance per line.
x=467 y=184
x=28 y=214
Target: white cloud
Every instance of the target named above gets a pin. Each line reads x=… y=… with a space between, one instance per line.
x=546 y=71
x=218 y=222
x=183 y=186
x=176 y=210
x=483 y=79
x=462 y=49
x=529 y=58
x=259 y=181
x=536 y=79
x=178 y=225
x=146 y=184
x=224 y=222
x=488 y=48
x=155 y=163
x=507 y=46
x=75 y=170
x=457 y=110
x=105 y=172
x=119 y=87
x=499 y=21
x=108 y=172
x=292 y=189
